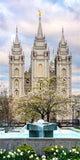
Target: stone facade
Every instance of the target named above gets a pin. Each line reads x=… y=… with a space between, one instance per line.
x=63 y=66
x=40 y=57
x=60 y=66
x=16 y=69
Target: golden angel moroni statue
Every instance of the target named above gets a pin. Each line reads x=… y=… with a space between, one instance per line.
x=39 y=13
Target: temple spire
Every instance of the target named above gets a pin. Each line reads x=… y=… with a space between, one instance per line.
x=39 y=33
x=62 y=38
x=16 y=38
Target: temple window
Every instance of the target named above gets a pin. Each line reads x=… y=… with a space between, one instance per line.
x=40 y=70
x=16 y=83
x=63 y=72
x=16 y=72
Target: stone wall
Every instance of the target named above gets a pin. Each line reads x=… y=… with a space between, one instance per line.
x=38 y=143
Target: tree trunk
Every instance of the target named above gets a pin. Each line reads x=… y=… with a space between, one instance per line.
x=48 y=117
x=42 y=116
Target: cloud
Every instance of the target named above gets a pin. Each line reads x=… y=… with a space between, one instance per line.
x=75 y=69
x=55 y=14
x=76 y=79
x=4 y=57
x=76 y=91
x=72 y=3
x=4 y=85
x=1 y=76
x=26 y=17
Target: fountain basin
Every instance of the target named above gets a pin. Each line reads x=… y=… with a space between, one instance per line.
x=65 y=137
x=41 y=129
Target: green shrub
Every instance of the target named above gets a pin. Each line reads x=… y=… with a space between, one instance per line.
x=26 y=152
x=75 y=153
x=57 y=151
x=3 y=153
x=25 y=147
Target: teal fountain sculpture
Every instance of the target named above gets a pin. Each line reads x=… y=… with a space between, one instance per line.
x=41 y=129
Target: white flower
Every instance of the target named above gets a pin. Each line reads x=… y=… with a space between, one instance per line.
x=37 y=158
x=73 y=150
x=56 y=146
x=4 y=157
x=54 y=153
x=1 y=152
x=52 y=149
x=21 y=153
x=18 y=150
x=31 y=156
x=8 y=156
x=17 y=154
x=55 y=158
x=43 y=156
x=11 y=153
x=65 y=153
x=56 y=150
x=77 y=152
x=28 y=151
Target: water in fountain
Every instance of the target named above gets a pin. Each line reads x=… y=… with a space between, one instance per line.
x=24 y=129
x=40 y=125
x=41 y=129
x=58 y=128
x=40 y=121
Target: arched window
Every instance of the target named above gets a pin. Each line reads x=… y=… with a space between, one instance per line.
x=16 y=93
x=40 y=70
x=16 y=72
x=16 y=83
x=63 y=72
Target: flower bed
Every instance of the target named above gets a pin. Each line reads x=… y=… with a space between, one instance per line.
x=26 y=152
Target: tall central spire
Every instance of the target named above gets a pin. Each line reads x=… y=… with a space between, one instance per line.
x=16 y=38
x=40 y=33
x=62 y=38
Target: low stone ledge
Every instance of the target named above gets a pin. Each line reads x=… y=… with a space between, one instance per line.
x=38 y=143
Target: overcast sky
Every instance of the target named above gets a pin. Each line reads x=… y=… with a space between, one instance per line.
x=55 y=15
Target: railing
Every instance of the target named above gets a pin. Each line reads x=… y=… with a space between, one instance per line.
x=60 y=123
x=12 y=124
x=67 y=122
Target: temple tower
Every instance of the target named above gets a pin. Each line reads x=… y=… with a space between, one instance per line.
x=63 y=67
x=39 y=57
x=16 y=69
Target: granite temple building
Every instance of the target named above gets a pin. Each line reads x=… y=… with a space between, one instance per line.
x=20 y=82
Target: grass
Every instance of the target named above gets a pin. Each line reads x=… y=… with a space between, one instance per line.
x=77 y=127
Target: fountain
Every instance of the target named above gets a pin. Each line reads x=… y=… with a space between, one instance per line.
x=39 y=135
x=41 y=129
